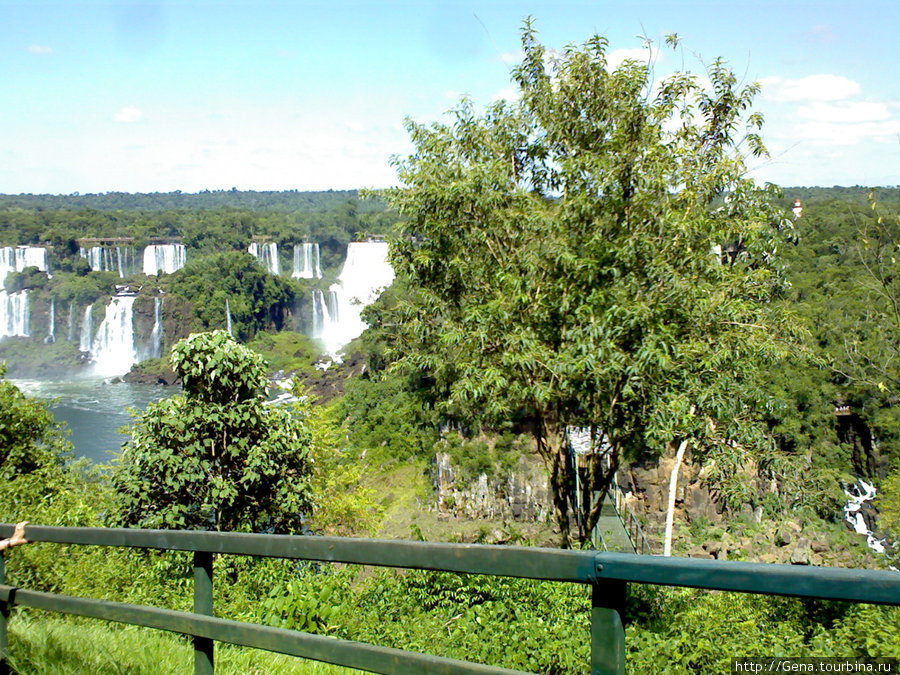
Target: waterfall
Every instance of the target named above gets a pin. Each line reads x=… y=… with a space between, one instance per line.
x=100 y=259
x=228 y=317
x=70 y=333
x=157 y=334
x=87 y=330
x=365 y=273
x=112 y=349
x=16 y=259
x=163 y=257
x=321 y=317
x=857 y=495
x=306 y=262
x=51 y=332
x=267 y=254
x=14 y=316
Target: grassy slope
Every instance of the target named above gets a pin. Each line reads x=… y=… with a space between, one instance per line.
x=50 y=645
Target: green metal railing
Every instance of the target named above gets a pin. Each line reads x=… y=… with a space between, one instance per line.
x=606 y=573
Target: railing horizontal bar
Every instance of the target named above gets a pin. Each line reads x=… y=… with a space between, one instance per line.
x=829 y=583
x=508 y=561
x=295 y=643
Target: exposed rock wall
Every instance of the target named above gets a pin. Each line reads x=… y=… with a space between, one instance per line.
x=523 y=495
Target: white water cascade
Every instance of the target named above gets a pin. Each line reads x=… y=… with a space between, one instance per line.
x=70 y=333
x=14 y=316
x=156 y=335
x=51 y=331
x=17 y=258
x=857 y=495
x=112 y=349
x=119 y=259
x=366 y=273
x=87 y=330
x=267 y=254
x=306 y=262
x=165 y=258
x=14 y=311
x=228 y=317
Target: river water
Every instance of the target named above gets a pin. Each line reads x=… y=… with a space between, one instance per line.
x=95 y=410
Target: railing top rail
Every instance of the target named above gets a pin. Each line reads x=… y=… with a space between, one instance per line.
x=830 y=583
x=510 y=561
x=855 y=585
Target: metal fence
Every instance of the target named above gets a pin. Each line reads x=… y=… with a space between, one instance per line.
x=606 y=573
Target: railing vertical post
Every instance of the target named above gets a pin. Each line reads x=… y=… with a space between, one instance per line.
x=4 y=615
x=203 y=604
x=607 y=629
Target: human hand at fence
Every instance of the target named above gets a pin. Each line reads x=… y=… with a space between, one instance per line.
x=17 y=538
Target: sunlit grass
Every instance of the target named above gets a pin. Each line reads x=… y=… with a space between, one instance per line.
x=50 y=645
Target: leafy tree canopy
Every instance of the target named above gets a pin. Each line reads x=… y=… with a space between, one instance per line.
x=30 y=439
x=217 y=457
x=593 y=254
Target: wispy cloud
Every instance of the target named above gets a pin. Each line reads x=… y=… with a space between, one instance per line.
x=508 y=94
x=617 y=57
x=822 y=32
x=844 y=112
x=511 y=58
x=824 y=87
x=40 y=50
x=128 y=114
x=835 y=133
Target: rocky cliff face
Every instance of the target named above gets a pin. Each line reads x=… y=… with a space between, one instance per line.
x=522 y=495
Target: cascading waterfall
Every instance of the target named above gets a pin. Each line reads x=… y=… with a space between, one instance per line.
x=857 y=495
x=17 y=258
x=51 y=332
x=14 y=316
x=156 y=335
x=87 y=330
x=112 y=349
x=165 y=258
x=267 y=254
x=306 y=262
x=14 y=310
x=321 y=317
x=365 y=273
x=70 y=333
x=110 y=259
x=228 y=317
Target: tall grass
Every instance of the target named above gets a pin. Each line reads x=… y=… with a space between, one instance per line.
x=50 y=645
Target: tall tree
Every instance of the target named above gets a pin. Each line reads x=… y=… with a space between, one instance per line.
x=560 y=258
x=216 y=458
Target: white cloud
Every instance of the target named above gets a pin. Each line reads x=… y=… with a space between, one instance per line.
x=40 y=50
x=128 y=114
x=617 y=57
x=837 y=133
x=824 y=87
x=353 y=125
x=844 y=111
x=508 y=94
x=511 y=58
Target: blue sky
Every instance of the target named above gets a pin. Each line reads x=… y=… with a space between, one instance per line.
x=191 y=95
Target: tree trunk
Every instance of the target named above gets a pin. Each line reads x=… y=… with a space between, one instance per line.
x=551 y=444
x=673 y=484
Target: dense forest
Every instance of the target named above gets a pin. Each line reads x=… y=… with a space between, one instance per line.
x=549 y=277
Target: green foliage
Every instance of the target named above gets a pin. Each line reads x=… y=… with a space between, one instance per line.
x=30 y=439
x=257 y=300
x=558 y=259
x=287 y=351
x=385 y=411
x=479 y=456
x=888 y=503
x=216 y=457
